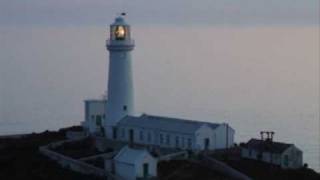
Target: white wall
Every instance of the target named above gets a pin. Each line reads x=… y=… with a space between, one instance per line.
x=131 y=170
x=250 y=154
x=294 y=156
x=94 y=108
x=120 y=85
x=224 y=140
x=172 y=140
x=155 y=137
x=217 y=137
x=123 y=135
x=152 y=162
x=201 y=134
x=127 y=171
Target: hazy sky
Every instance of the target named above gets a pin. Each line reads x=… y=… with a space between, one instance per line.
x=251 y=63
x=99 y=12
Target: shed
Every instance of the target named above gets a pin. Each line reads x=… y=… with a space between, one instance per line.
x=277 y=153
x=131 y=163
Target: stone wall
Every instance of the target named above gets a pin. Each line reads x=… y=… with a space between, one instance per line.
x=73 y=164
x=74 y=135
x=178 y=155
x=222 y=168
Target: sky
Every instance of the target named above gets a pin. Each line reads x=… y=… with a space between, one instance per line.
x=251 y=63
x=173 y=12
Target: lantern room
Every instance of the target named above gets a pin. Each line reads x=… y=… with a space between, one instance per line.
x=119 y=30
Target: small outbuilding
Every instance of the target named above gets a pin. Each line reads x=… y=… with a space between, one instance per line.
x=132 y=163
x=94 y=116
x=287 y=156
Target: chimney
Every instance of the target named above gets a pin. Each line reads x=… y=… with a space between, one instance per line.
x=268 y=135
x=261 y=134
x=272 y=133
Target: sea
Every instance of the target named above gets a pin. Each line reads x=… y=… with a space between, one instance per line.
x=255 y=78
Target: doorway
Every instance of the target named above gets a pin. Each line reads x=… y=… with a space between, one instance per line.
x=131 y=136
x=206 y=143
x=114 y=130
x=145 y=170
x=98 y=120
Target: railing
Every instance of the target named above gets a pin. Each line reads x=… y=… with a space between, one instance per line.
x=128 y=42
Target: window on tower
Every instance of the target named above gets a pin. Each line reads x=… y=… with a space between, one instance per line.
x=119 y=32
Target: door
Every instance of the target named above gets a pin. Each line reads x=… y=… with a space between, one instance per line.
x=99 y=124
x=114 y=130
x=98 y=120
x=131 y=136
x=145 y=170
x=206 y=143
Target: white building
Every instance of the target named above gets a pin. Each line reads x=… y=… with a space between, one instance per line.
x=277 y=153
x=120 y=124
x=120 y=83
x=135 y=163
x=94 y=116
x=174 y=133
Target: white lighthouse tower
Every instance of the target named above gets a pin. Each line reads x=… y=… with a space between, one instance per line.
x=120 y=85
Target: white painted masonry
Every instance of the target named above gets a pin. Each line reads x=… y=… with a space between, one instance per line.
x=121 y=125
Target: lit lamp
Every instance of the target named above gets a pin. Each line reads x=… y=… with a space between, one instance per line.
x=120 y=33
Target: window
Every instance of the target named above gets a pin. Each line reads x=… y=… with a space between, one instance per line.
x=141 y=135
x=149 y=137
x=161 y=138
x=189 y=143
x=182 y=139
x=177 y=141
x=123 y=132
x=120 y=32
x=168 y=139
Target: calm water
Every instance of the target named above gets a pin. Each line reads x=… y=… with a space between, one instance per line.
x=254 y=78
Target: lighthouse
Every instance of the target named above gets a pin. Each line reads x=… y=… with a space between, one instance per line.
x=116 y=118
x=120 y=86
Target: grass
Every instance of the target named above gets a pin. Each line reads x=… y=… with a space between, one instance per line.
x=20 y=159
